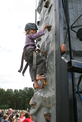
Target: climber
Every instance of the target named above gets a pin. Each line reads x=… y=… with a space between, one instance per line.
x=29 y=50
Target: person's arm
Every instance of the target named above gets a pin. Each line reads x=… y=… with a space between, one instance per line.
x=39 y=34
x=45 y=26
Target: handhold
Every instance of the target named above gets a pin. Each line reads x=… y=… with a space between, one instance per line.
x=38 y=50
x=63 y=50
x=38 y=22
x=45 y=53
x=38 y=46
x=39 y=39
x=49 y=27
x=47 y=116
x=46 y=4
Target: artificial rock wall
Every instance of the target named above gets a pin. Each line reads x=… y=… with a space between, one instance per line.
x=45 y=98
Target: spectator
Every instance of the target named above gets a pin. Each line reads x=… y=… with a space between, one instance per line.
x=13 y=120
x=0 y=116
x=5 y=118
x=27 y=117
x=10 y=114
x=21 y=117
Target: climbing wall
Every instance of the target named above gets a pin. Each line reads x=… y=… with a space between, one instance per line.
x=44 y=99
x=55 y=102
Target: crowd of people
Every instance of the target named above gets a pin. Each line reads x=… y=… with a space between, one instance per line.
x=15 y=116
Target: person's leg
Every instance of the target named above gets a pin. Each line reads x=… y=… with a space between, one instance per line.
x=39 y=77
x=36 y=85
x=33 y=77
x=40 y=67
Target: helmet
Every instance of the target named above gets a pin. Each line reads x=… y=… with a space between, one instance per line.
x=30 y=26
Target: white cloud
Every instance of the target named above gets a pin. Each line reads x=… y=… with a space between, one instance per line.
x=14 y=14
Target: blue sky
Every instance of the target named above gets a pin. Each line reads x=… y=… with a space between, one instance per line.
x=14 y=14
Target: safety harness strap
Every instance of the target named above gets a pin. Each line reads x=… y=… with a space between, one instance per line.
x=22 y=59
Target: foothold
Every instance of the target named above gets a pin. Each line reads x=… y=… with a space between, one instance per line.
x=47 y=116
x=38 y=22
x=46 y=4
x=63 y=50
x=49 y=27
x=44 y=82
x=33 y=105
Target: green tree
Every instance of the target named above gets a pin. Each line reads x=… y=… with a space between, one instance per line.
x=17 y=99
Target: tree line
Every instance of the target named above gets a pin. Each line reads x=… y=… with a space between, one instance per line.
x=15 y=99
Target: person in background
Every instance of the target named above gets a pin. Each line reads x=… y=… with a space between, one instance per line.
x=27 y=117
x=1 y=116
x=5 y=118
x=10 y=114
x=13 y=120
x=21 y=117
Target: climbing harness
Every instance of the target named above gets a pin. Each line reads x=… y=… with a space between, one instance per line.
x=22 y=59
x=25 y=68
x=78 y=87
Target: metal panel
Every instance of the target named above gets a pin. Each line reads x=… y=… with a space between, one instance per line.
x=62 y=97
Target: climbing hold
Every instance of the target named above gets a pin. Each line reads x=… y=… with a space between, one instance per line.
x=47 y=116
x=44 y=82
x=46 y=4
x=39 y=39
x=49 y=27
x=45 y=53
x=79 y=34
x=33 y=105
x=38 y=50
x=38 y=22
x=63 y=50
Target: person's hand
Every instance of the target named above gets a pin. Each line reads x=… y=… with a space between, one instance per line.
x=45 y=26
x=18 y=118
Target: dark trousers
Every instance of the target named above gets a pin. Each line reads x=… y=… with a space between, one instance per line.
x=40 y=63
